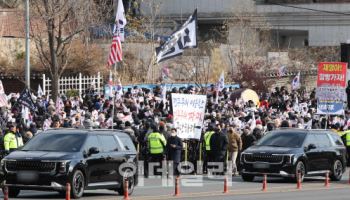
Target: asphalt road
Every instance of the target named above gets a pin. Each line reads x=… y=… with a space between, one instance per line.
x=207 y=188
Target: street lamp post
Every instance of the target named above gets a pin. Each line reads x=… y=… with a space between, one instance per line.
x=27 y=65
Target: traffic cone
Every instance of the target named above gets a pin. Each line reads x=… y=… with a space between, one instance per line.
x=225 y=185
x=67 y=191
x=177 y=187
x=126 y=189
x=326 y=183
x=6 y=193
x=299 y=180
x=264 y=187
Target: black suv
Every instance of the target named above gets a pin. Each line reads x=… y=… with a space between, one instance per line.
x=87 y=159
x=286 y=152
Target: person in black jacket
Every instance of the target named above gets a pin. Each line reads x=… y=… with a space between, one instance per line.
x=174 y=147
x=347 y=90
x=248 y=139
x=218 y=146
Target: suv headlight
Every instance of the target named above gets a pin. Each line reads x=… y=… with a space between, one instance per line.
x=242 y=156
x=62 y=166
x=289 y=159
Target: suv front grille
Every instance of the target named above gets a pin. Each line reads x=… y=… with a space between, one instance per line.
x=30 y=166
x=263 y=158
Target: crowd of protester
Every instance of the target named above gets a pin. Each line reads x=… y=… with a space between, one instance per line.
x=236 y=124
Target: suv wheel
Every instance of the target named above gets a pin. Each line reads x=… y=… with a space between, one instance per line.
x=247 y=177
x=300 y=168
x=77 y=184
x=131 y=185
x=337 y=170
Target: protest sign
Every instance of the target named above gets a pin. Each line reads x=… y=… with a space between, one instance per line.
x=331 y=83
x=188 y=112
x=331 y=74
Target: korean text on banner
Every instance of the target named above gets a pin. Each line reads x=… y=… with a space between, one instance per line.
x=331 y=74
x=331 y=83
x=188 y=111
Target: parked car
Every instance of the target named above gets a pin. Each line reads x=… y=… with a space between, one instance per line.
x=286 y=152
x=87 y=159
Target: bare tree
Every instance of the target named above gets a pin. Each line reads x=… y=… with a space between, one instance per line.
x=249 y=41
x=55 y=25
x=151 y=22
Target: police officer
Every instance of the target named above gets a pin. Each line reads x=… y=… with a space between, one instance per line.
x=12 y=139
x=156 y=144
x=208 y=156
x=346 y=139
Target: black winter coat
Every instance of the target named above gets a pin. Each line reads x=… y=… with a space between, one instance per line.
x=247 y=141
x=218 y=145
x=174 y=154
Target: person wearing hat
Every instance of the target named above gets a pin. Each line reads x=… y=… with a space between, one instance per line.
x=12 y=139
x=206 y=140
x=157 y=145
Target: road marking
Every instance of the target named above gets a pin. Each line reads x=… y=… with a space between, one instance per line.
x=282 y=189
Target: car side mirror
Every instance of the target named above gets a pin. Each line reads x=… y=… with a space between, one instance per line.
x=311 y=146
x=94 y=150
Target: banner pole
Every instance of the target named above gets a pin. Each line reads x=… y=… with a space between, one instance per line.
x=327 y=117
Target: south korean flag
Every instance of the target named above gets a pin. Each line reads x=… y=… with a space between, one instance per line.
x=185 y=37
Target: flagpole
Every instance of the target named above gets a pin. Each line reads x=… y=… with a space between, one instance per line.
x=114 y=92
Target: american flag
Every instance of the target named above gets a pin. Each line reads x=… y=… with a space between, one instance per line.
x=116 y=53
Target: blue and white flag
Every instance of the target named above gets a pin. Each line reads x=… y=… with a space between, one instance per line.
x=282 y=71
x=221 y=82
x=119 y=89
x=163 y=94
x=296 y=82
x=120 y=21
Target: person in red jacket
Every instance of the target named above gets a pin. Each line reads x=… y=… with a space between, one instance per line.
x=264 y=104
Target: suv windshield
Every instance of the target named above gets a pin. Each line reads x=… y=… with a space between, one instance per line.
x=59 y=142
x=283 y=139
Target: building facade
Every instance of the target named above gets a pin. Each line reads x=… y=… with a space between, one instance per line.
x=293 y=23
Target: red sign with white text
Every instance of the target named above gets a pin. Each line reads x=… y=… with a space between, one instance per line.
x=332 y=74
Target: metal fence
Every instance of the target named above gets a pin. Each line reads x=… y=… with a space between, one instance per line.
x=79 y=83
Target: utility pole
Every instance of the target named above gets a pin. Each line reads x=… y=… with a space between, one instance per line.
x=27 y=66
